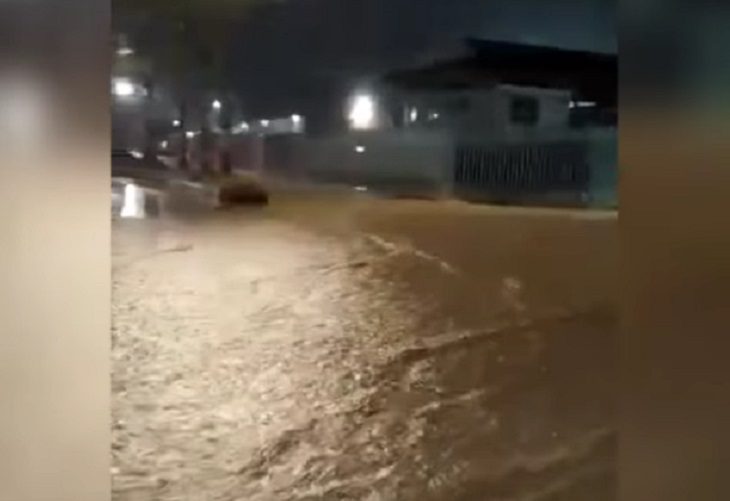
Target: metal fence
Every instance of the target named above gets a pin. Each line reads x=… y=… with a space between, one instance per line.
x=523 y=173
x=564 y=169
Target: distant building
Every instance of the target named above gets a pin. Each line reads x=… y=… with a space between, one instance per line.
x=507 y=123
x=507 y=89
x=130 y=90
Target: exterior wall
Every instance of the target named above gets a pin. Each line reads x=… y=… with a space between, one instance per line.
x=404 y=162
x=486 y=112
x=247 y=153
x=457 y=110
x=397 y=161
x=490 y=113
x=509 y=162
x=567 y=168
x=554 y=107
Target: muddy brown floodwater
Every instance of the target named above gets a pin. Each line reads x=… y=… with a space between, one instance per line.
x=337 y=348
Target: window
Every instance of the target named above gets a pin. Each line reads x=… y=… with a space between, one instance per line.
x=524 y=110
x=461 y=105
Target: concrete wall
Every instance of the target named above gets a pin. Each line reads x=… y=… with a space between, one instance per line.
x=401 y=161
x=247 y=152
x=420 y=161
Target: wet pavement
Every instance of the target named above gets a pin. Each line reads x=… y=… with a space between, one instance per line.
x=343 y=347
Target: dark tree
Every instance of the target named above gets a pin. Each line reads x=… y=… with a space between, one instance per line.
x=188 y=44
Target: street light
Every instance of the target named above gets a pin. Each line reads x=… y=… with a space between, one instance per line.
x=217 y=105
x=362 y=112
x=297 y=122
x=123 y=88
x=176 y=123
x=414 y=114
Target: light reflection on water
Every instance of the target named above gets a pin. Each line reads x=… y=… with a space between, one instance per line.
x=133 y=201
x=415 y=356
x=133 y=206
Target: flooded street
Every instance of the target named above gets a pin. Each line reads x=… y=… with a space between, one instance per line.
x=342 y=347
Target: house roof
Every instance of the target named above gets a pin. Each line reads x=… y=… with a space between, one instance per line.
x=591 y=75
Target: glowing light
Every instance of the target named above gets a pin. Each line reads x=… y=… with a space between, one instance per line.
x=362 y=112
x=163 y=144
x=296 y=118
x=360 y=149
x=123 y=88
x=176 y=123
x=190 y=134
x=133 y=202
x=582 y=104
x=217 y=105
x=361 y=188
x=137 y=154
x=265 y=123
x=241 y=128
x=125 y=51
x=414 y=114
x=433 y=116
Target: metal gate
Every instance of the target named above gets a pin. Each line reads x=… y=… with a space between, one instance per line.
x=523 y=173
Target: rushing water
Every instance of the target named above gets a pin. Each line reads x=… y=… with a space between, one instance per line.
x=349 y=348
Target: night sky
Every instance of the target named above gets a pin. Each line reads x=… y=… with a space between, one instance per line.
x=292 y=54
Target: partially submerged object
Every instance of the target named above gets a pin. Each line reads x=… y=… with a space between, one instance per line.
x=241 y=190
